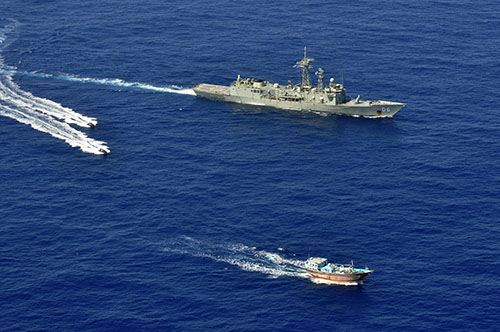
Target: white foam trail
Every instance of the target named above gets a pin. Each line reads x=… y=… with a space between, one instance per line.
x=43 y=114
x=56 y=129
x=244 y=257
x=19 y=98
x=113 y=82
x=256 y=264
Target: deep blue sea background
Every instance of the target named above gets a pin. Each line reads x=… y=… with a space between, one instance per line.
x=196 y=219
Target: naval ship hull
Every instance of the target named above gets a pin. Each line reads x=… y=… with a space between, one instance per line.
x=369 y=109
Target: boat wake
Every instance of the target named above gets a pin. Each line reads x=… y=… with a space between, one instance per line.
x=43 y=114
x=51 y=117
x=246 y=258
x=116 y=82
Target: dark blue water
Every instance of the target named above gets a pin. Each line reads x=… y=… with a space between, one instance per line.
x=201 y=214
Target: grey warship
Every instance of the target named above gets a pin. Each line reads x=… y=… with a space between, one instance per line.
x=329 y=99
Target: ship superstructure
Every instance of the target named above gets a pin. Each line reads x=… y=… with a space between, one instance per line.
x=329 y=99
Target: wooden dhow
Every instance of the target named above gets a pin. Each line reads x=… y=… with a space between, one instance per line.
x=319 y=267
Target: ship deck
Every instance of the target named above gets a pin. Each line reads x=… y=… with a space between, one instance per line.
x=212 y=89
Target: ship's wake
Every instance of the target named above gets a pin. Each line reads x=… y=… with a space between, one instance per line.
x=43 y=114
x=116 y=82
x=244 y=257
x=51 y=117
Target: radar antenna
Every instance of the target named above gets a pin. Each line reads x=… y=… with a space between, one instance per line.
x=305 y=65
x=320 y=75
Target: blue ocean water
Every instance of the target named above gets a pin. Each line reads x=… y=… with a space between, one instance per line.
x=201 y=214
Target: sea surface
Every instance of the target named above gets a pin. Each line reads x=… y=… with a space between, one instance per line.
x=201 y=215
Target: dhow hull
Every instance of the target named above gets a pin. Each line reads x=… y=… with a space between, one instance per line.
x=344 y=278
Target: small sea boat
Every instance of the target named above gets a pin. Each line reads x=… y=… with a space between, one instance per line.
x=319 y=267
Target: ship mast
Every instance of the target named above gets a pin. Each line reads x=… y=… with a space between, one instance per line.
x=321 y=77
x=305 y=65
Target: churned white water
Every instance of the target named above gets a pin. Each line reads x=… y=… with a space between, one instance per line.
x=244 y=257
x=51 y=117
x=42 y=114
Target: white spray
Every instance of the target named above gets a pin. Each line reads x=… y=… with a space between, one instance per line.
x=43 y=114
